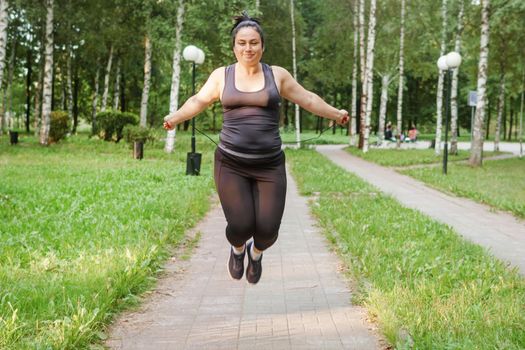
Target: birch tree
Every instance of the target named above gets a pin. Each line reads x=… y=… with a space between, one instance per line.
x=116 y=90
x=441 y=78
x=369 y=71
x=363 y=72
x=386 y=79
x=353 y=109
x=147 y=81
x=106 y=80
x=401 y=74
x=476 y=147
x=48 y=76
x=69 y=87
x=94 y=102
x=175 y=77
x=294 y=62
x=454 y=88
x=501 y=108
x=4 y=18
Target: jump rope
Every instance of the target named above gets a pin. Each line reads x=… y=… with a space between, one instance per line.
x=302 y=141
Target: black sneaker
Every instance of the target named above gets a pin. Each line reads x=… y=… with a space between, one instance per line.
x=254 y=269
x=236 y=264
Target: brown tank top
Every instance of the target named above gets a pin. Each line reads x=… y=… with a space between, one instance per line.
x=251 y=119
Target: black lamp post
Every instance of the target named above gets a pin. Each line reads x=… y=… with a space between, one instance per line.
x=193 y=161
x=448 y=62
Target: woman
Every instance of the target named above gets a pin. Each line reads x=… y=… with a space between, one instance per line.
x=249 y=169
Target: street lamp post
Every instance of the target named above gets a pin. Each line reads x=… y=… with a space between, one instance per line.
x=194 y=55
x=448 y=62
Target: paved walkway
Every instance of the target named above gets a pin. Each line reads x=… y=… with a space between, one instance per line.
x=501 y=233
x=301 y=301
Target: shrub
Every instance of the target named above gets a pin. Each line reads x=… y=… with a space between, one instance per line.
x=59 y=126
x=134 y=133
x=110 y=124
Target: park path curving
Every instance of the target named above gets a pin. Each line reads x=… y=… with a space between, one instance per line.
x=501 y=233
x=301 y=301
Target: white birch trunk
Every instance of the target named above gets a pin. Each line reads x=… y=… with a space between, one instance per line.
x=4 y=18
x=385 y=81
x=147 y=79
x=353 y=109
x=69 y=90
x=441 y=80
x=48 y=76
x=501 y=108
x=476 y=147
x=401 y=75
x=454 y=88
x=370 y=70
x=106 y=81
x=257 y=5
x=95 y=103
x=297 y=119
x=175 y=77
x=116 y=91
x=362 y=50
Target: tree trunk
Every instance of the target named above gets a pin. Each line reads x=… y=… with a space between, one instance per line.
x=29 y=67
x=69 y=90
x=385 y=81
x=370 y=70
x=106 y=81
x=175 y=77
x=454 y=88
x=364 y=90
x=477 y=139
x=75 y=101
x=353 y=109
x=116 y=92
x=147 y=79
x=294 y=62
x=501 y=106
x=441 y=79
x=95 y=103
x=4 y=18
x=9 y=87
x=401 y=74
x=511 y=121
x=48 y=76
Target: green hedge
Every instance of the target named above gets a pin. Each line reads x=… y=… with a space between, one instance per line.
x=59 y=126
x=110 y=124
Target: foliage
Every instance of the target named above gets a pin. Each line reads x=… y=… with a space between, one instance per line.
x=136 y=133
x=66 y=266
x=425 y=286
x=59 y=126
x=110 y=124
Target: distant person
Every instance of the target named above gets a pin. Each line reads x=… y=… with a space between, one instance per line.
x=250 y=173
x=388 y=132
x=412 y=133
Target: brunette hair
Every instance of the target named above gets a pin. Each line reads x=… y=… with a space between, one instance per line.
x=244 y=20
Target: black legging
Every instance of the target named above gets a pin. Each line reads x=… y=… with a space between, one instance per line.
x=252 y=194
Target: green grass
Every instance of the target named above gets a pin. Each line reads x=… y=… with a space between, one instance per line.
x=405 y=157
x=499 y=183
x=84 y=229
x=418 y=279
x=311 y=138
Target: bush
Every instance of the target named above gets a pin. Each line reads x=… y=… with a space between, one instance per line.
x=133 y=133
x=110 y=124
x=59 y=126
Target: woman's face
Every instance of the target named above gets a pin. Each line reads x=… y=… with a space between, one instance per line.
x=248 y=47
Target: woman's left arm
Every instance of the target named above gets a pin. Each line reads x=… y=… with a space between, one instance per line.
x=291 y=90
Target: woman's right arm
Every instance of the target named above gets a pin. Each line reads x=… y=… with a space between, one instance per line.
x=208 y=94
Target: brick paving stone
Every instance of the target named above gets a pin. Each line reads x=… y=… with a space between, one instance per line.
x=301 y=301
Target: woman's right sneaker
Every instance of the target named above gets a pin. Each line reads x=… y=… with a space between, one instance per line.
x=236 y=264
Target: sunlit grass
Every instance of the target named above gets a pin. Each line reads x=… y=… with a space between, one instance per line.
x=84 y=229
x=499 y=183
x=425 y=286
